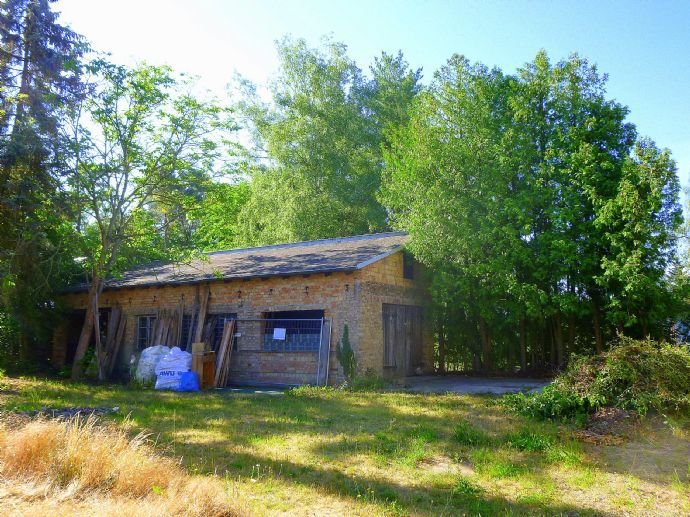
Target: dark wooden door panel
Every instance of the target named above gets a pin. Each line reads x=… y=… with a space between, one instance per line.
x=402 y=338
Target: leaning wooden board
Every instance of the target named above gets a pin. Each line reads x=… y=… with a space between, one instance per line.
x=224 y=354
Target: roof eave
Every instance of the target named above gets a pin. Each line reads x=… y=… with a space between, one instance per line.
x=214 y=279
x=382 y=256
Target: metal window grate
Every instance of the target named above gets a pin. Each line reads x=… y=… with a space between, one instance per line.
x=300 y=335
x=188 y=329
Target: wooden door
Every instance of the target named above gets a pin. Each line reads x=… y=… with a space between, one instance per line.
x=402 y=339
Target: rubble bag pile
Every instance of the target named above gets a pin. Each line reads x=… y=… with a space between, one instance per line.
x=150 y=357
x=171 y=368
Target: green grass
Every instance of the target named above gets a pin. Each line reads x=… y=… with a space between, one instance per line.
x=466 y=434
x=527 y=439
x=314 y=451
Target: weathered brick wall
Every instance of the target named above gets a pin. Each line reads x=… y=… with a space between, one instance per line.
x=382 y=283
x=355 y=299
x=336 y=294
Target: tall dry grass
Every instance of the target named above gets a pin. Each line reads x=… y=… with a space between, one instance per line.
x=99 y=470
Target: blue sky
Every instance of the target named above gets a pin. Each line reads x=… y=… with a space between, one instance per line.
x=644 y=46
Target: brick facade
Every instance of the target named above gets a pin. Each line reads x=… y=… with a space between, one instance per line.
x=353 y=298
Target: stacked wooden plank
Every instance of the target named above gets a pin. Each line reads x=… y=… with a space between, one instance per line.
x=224 y=354
x=107 y=352
x=201 y=319
x=114 y=338
x=167 y=329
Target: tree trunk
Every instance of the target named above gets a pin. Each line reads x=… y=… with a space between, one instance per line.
x=571 y=334
x=485 y=334
x=558 y=340
x=87 y=329
x=100 y=354
x=442 y=348
x=25 y=75
x=553 y=359
x=523 y=345
x=645 y=328
x=598 y=342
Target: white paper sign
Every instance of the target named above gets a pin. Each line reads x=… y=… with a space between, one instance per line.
x=279 y=334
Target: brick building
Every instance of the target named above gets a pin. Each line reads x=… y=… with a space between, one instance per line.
x=291 y=302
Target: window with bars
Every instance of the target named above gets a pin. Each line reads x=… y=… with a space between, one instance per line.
x=145 y=330
x=188 y=329
x=292 y=331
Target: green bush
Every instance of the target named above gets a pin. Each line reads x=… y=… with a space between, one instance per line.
x=634 y=374
x=346 y=356
x=555 y=402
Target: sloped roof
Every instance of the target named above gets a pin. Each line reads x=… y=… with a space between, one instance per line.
x=320 y=256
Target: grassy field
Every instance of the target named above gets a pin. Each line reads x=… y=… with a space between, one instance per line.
x=336 y=452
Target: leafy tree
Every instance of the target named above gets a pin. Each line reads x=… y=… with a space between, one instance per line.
x=143 y=143
x=217 y=219
x=571 y=147
x=542 y=220
x=322 y=138
x=39 y=78
x=449 y=186
x=641 y=223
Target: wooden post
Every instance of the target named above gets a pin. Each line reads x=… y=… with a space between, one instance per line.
x=203 y=307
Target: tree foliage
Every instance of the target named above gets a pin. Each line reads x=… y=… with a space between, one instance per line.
x=546 y=223
x=141 y=144
x=322 y=138
x=537 y=208
x=39 y=79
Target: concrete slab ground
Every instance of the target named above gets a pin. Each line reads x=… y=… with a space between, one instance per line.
x=472 y=385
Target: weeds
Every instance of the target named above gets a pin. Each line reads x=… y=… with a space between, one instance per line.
x=527 y=440
x=465 y=434
x=634 y=374
x=466 y=488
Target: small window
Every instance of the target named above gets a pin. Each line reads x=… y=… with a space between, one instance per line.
x=408 y=265
x=293 y=331
x=145 y=331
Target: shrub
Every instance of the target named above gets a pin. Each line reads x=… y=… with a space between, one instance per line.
x=634 y=374
x=554 y=402
x=346 y=356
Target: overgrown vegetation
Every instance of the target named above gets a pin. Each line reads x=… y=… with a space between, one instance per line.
x=346 y=355
x=318 y=450
x=640 y=375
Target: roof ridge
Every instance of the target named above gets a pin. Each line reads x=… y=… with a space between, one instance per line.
x=366 y=236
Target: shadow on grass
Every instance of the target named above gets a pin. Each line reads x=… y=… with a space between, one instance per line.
x=452 y=500
x=333 y=427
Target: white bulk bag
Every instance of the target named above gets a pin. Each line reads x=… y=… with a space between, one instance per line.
x=146 y=369
x=171 y=367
